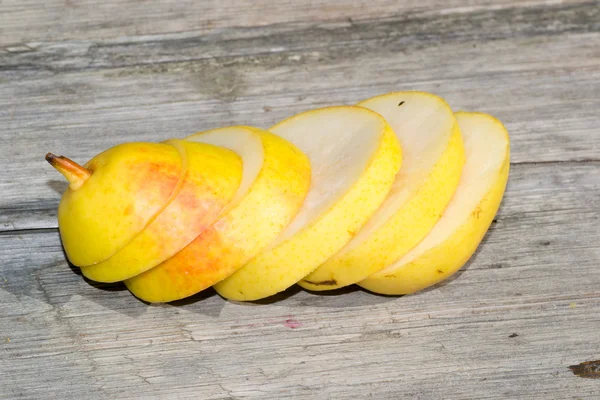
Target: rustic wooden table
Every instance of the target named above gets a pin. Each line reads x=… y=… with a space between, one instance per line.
x=78 y=76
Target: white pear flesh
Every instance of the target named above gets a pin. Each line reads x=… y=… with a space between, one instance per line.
x=459 y=231
x=354 y=157
x=275 y=182
x=245 y=143
x=433 y=157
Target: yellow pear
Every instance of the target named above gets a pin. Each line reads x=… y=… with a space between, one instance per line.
x=433 y=160
x=212 y=177
x=354 y=157
x=276 y=179
x=466 y=220
x=113 y=197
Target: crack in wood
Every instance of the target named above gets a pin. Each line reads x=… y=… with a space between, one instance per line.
x=17 y=232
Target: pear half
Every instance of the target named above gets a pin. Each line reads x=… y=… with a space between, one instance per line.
x=466 y=220
x=433 y=160
x=113 y=197
x=213 y=175
x=275 y=182
x=354 y=156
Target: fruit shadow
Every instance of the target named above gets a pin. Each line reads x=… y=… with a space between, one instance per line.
x=468 y=264
x=58 y=186
x=346 y=297
x=212 y=303
x=206 y=302
x=110 y=296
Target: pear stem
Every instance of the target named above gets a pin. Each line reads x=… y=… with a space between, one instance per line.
x=75 y=173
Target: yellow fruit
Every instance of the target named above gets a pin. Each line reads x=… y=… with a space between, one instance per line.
x=213 y=175
x=275 y=182
x=433 y=160
x=466 y=220
x=354 y=158
x=113 y=197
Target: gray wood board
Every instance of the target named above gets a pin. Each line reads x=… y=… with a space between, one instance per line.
x=76 y=77
x=23 y=21
x=78 y=99
x=536 y=275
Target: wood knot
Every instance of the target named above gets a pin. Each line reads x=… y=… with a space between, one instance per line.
x=587 y=369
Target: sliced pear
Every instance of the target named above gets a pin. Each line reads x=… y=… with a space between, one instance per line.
x=213 y=175
x=466 y=220
x=115 y=202
x=275 y=182
x=433 y=159
x=354 y=157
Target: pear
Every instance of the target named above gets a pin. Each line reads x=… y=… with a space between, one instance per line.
x=319 y=200
x=354 y=157
x=113 y=197
x=212 y=177
x=464 y=223
x=433 y=160
x=275 y=181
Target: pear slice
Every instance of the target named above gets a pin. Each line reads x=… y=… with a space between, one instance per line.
x=213 y=175
x=433 y=160
x=354 y=157
x=113 y=197
x=466 y=220
x=275 y=182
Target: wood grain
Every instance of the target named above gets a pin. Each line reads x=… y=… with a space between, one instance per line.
x=23 y=21
x=535 y=276
x=77 y=77
x=79 y=98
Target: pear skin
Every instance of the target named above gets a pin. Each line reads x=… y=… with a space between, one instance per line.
x=213 y=175
x=456 y=236
x=127 y=187
x=354 y=157
x=274 y=197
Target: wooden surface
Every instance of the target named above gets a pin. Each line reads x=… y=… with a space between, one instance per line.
x=79 y=76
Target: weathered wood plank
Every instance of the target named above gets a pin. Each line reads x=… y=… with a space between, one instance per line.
x=336 y=39
x=22 y=21
x=536 y=275
x=78 y=76
x=79 y=99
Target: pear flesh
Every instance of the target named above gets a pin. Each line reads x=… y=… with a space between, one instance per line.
x=275 y=181
x=466 y=220
x=354 y=157
x=431 y=168
x=320 y=200
x=128 y=186
x=212 y=177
